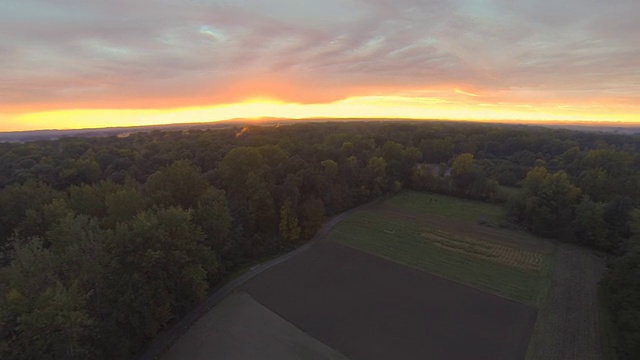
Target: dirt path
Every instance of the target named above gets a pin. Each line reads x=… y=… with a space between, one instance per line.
x=164 y=340
x=567 y=326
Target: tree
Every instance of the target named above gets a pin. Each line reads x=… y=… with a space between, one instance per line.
x=617 y=216
x=621 y=294
x=330 y=169
x=90 y=199
x=595 y=183
x=16 y=200
x=289 y=229
x=588 y=226
x=123 y=204
x=463 y=173
x=548 y=202
x=238 y=164
x=159 y=268
x=312 y=216
x=422 y=178
x=85 y=170
x=376 y=175
x=214 y=218
x=261 y=205
x=47 y=293
x=180 y=184
x=56 y=327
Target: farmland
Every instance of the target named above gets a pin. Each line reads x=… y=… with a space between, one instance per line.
x=224 y=330
x=438 y=234
x=416 y=275
x=366 y=307
x=570 y=309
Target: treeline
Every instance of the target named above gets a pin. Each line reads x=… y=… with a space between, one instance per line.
x=105 y=241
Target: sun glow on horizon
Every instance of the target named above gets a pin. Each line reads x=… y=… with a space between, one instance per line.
x=404 y=107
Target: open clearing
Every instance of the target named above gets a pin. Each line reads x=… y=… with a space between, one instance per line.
x=366 y=307
x=508 y=263
x=240 y=328
x=390 y=282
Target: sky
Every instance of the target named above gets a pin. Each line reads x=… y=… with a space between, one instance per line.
x=99 y=63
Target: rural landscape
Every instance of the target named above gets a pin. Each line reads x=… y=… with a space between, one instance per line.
x=320 y=179
x=353 y=240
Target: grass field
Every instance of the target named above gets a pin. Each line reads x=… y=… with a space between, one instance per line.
x=442 y=205
x=442 y=246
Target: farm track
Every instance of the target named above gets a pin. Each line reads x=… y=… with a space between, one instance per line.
x=567 y=326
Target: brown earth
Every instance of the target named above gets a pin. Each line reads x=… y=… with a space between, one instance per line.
x=239 y=328
x=366 y=307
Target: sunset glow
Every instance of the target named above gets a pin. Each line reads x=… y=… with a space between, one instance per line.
x=102 y=64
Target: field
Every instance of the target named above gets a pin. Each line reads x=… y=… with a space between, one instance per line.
x=567 y=326
x=439 y=234
x=225 y=330
x=416 y=276
x=366 y=307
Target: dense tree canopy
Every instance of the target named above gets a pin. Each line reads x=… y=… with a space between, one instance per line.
x=106 y=241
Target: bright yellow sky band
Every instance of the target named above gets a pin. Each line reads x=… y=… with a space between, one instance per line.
x=353 y=107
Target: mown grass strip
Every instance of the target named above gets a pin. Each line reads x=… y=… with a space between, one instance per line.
x=442 y=205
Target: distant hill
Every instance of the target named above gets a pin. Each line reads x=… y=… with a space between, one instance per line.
x=40 y=135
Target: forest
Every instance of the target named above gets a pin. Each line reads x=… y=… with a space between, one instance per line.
x=104 y=242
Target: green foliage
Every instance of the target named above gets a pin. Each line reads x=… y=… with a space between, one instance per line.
x=59 y=313
x=330 y=168
x=547 y=203
x=621 y=287
x=238 y=164
x=214 y=218
x=180 y=184
x=90 y=199
x=120 y=235
x=289 y=229
x=422 y=178
x=589 y=226
x=159 y=267
x=375 y=175
x=123 y=204
x=16 y=200
x=312 y=216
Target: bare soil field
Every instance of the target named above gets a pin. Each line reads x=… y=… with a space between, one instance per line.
x=366 y=307
x=240 y=328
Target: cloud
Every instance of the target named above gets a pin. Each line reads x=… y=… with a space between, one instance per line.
x=143 y=53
